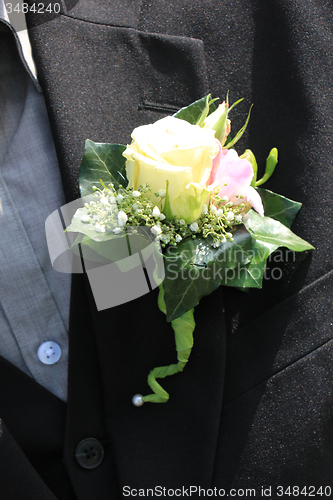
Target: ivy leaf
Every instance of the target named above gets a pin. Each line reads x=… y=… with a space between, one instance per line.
x=194 y=268
x=251 y=275
x=278 y=207
x=196 y=112
x=102 y=161
x=272 y=231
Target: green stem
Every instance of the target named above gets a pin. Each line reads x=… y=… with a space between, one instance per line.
x=183 y=328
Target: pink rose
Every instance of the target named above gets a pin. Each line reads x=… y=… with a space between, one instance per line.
x=234 y=175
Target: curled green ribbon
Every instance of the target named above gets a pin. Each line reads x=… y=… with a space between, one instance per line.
x=183 y=328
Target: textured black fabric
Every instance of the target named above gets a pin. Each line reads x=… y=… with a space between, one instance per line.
x=254 y=406
x=36 y=419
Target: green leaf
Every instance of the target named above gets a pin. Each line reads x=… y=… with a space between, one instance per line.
x=239 y=134
x=102 y=161
x=195 y=268
x=272 y=231
x=251 y=275
x=271 y=162
x=196 y=112
x=278 y=207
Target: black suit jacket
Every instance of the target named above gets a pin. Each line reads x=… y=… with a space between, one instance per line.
x=253 y=408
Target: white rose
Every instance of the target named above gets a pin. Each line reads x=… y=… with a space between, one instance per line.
x=173 y=150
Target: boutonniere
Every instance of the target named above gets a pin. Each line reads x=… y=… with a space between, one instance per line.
x=181 y=195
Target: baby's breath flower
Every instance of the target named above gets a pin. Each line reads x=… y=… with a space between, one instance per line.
x=117 y=230
x=136 y=194
x=156 y=230
x=161 y=193
x=85 y=219
x=161 y=217
x=178 y=238
x=194 y=227
x=182 y=222
x=120 y=198
x=238 y=218
x=113 y=200
x=219 y=212
x=104 y=200
x=156 y=212
x=224 y=199
x=99 y=228
x=230 y=216
x=165 y=238
x=213 y=209
x=122 y=218
x=204 y=209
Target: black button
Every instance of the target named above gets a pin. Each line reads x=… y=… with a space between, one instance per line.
x=89 y=453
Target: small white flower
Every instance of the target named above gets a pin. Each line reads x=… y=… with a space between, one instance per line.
x=117 y=230
x=120 y=198
x=182 y=222
x=85 y=218
x=178 y=238
x=230 y=216
x=156 y=212
x=216 y=244
x=99 y=228
x=194 y=227
x=136 y=194
x=219 y=212
x=238 y=218
x=161 y=217
x=161 y=193
x=156 y=230
x=245 y=217
x=135 y=206
x=204 y=209
x=122 y=218
x=213 y=209
x=92 y=203
x=225 y=199
x=165 y=238
x=113 y=200
x=104 y=201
